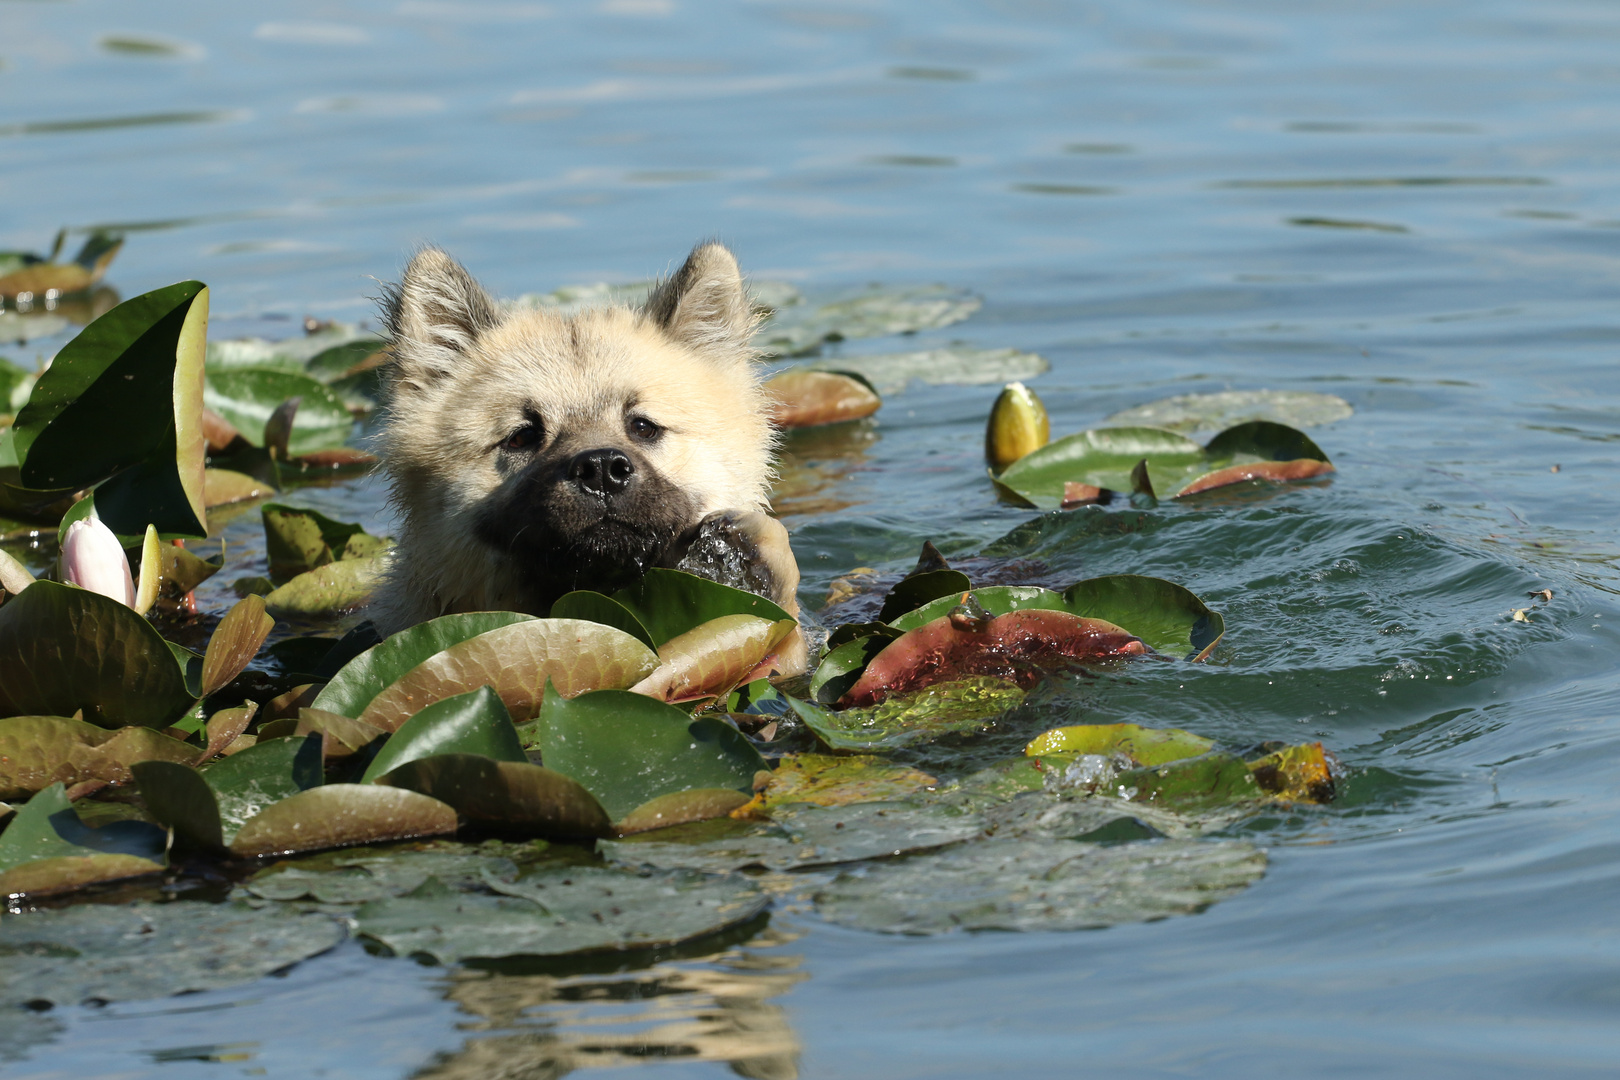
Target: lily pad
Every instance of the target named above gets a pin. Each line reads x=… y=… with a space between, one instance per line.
x=800 y=397
x=558 y=912
x=123 y=399
x=1296 y=773
x=627 y=749
x=472 y=723
x=916 y=589
x=46 y=848
x=944 y=708
x=518 y=661
x=340 y=815
x=506 y=794
x=1188 y=413
x=671 y=602
x=208 y=807
x=248 y=396
x=334 y=589
x=101 y=952
x=709 y=660
x=956 y=365
x=27 y=273
x=799 y=328
x=1168 y=617
x=64 y=649
x=356 y=878
x=1016 y=646
x=594 y=607
x=1040 y=885
x=1105 y=459
x=361 y=679
x=299 y=540
x=37 y=751
x=841 y=780
x=1143 y=746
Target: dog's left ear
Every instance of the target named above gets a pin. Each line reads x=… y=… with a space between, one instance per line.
x=704 y=305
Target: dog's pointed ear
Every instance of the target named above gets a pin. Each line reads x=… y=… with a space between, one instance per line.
x=433 y=317
x=704 y=305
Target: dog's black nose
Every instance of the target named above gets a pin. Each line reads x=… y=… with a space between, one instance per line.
x=601 y=472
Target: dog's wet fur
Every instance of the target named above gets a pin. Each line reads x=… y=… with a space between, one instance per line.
x=531 y=452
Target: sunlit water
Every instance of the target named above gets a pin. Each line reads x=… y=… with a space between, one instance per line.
x=1413 y=207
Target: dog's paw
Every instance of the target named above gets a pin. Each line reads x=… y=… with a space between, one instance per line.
x=746 y=550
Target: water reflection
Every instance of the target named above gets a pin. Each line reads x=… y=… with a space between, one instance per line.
x=533 y=1026
x=812 y=460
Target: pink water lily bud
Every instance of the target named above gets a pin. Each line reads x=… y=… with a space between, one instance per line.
x=92 y=558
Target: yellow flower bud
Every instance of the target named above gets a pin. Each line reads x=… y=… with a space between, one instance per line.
x=1018 y=425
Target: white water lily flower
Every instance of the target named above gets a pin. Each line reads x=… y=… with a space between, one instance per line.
x=92 y=558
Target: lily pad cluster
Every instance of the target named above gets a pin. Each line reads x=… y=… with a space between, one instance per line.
x=1141 y=463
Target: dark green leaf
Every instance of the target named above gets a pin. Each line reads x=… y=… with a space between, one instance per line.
x=247 y=397
x=47 y=849
x=912 y=592
x=472 y=723
x=669 y=603
x=1104 y=458
x=597 y=608
x=373 y=671
x=209 y=806
x=507 y=794
x=334 y=589
x=627 y=749
x=64 y=649
x=841 y=668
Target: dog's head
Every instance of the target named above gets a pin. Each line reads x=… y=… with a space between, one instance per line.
x=572 y=450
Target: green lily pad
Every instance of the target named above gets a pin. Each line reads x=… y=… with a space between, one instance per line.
x=945 y=708
x=595 y=607
x=46 y=848
x=841 y=668
x=208 y=807
x=558 y=912
x=315 y=352
x=472 y=723
x=671 y=602
x=627 y=749
x=1214 y=779
x=511 y=795
x=519 y=661
x=1166 y=616
x=955 y=365
x=1187 y=413
x=103 y=952
x=123 y=400
x=299 y=540
x=247 y=396
x=334 y=589
x=361 y=679
x=65 y=649
x=1143 y=746
x=915 y=590
x=1105 y=458
x=341 y=815
x=37 y=751
x=710 y=659
x=1040 y=885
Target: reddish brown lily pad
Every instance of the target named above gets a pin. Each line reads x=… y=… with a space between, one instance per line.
x=1015 y=646
x=802 y=398
x=1276 y=471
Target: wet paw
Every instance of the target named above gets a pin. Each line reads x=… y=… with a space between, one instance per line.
x=746 y=550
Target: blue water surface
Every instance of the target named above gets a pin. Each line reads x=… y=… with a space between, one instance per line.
x=1413 y=206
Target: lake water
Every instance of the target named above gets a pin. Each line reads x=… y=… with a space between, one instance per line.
x=1414 y=207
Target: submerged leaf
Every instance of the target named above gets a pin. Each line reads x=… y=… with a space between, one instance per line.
x=1040 y=886
x=943 y=708
x=556 y=912
x=1296 y=773
x=828 y=780
x=799 y=328
x=517 y=660
x=1187 y=413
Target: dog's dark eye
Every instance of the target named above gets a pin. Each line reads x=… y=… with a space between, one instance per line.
x=644 y=429
x=523 y=438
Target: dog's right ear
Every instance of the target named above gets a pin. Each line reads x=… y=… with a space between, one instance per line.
x=433 y=317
